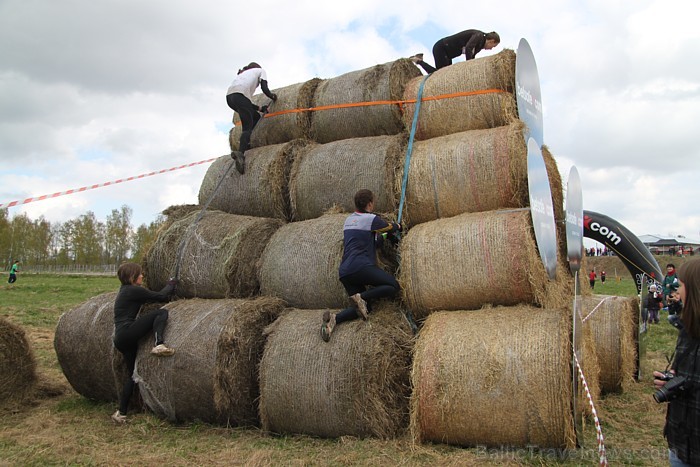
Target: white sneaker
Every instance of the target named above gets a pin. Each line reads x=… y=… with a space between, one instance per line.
x=118 y=418
x=361 y=306
x=161 y=350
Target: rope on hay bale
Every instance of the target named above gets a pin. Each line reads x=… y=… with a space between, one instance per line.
x=84 y=345
x=494 y=377
x=329 y=174
x=17 y=365
x=278 y=128
x=466 y=261
x=264 y=189
x=471 y=171
x=356 y=384
x=220 y=257
x=213 y=375
x=612 y=325
x=385 y=82
x=440 y=117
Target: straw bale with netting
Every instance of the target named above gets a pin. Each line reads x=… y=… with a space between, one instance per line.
x=494 y=377
x=17 y=365
x=357 y=384
x=490 y=80
x=219 y=257
x=383 y=84
x=330 y=174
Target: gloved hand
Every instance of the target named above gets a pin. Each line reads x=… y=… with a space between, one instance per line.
x=274 y=97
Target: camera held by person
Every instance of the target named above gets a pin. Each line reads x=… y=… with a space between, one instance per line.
x=674 y=388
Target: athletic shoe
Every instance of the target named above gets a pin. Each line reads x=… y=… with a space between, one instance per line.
x=416 y=58
x=328 y=325
x=361 y=306
x=161 y=350
x=239 y=159
x=118 y=418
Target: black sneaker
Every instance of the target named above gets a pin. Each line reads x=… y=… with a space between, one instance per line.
x=239 y=159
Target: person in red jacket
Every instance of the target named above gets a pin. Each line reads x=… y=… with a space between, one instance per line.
x=591 y=278
x=467 y=43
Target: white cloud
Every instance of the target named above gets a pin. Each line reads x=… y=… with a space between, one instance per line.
x=95 y=91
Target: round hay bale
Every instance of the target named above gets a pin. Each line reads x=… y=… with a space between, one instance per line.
x=17 y=364
x=556 y=186
x=611 y=321
x=494 y=377
x=285 y=122
x=219 y=258
x=330 y=174
x=384 y=82
x=85 y=349
x=466 y=261
x=591 y=372
x=440 y=117
x=471 y=171
x=263 y=190
x=356 y=384
x=188 y=386
x=300 y=263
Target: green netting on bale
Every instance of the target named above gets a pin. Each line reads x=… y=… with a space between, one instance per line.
x=466 y=261
x=471 y=171
x=84 y=346
x=330 y=174
x=612 y=326
x=494 y=377
x=263 y=190
x=219 y=258
x=356 y=384
x=441 y=117
x=284 y=127
x=385 y=82
x=215 y=342
x=17 y=364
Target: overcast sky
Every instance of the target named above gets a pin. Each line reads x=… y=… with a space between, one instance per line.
x=93 y=91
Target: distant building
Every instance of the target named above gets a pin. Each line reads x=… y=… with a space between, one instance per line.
x=672 y=246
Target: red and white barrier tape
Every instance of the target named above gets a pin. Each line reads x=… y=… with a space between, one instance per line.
x=583 y=320
x=599 y=431
x=100 y=185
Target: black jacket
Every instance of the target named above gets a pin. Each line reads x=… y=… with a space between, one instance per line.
x=469 y=43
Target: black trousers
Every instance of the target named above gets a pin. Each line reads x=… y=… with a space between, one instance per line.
x=384 y=285
x=248 y=112
x=127 y=342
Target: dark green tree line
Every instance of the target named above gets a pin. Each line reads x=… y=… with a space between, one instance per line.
x=84 y=240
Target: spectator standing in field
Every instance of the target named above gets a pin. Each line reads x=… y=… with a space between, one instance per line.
x=682 y=429
x=13 y=272
x=670 y=282
x=654 y=304
x=129 y=330
x=467 y=43
x=591 y=278
x=602 y=276
x=362 y=235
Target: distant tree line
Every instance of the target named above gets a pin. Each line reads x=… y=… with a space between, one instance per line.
x=81 y=241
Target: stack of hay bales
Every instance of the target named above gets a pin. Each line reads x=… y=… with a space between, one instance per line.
x=212 y=377
x=17 y=365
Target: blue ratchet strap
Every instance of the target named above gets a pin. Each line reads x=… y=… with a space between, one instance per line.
x=409 y=149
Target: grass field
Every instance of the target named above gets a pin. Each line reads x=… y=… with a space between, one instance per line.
x=67 y=429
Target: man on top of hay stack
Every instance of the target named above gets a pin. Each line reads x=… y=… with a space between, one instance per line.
x=239 y=97
x=362 y=235
x=469 y=43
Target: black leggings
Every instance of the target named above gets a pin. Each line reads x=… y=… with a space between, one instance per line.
x=127 y=342
x=384 y=285
x=248 y=112
x=441 y=58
